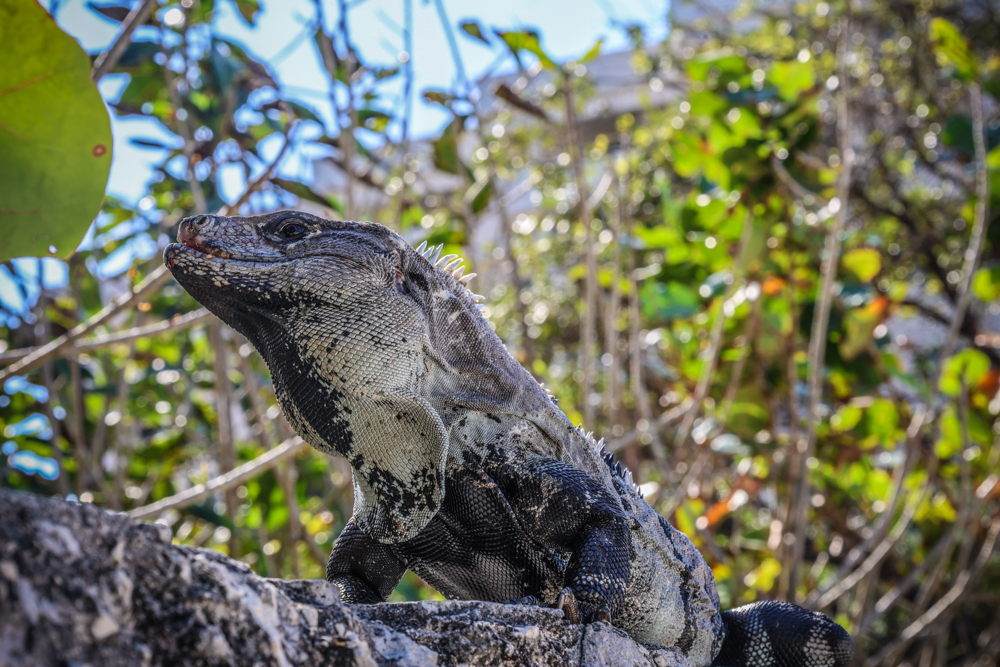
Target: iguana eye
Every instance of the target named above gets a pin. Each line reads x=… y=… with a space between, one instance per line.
x=292 y=230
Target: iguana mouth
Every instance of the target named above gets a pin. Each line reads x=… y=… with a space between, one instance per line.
x=195 y=242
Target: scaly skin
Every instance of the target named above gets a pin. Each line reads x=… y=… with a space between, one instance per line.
x=465 y=471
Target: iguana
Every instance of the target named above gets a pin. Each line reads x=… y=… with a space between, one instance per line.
x=464 y=469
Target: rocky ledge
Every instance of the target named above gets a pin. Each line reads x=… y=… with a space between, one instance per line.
x=82 y=586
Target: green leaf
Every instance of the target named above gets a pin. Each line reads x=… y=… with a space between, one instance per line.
x=446 y=147
x=526 y=40
x=55 y=136
x=724 y=60
x=967 y=367
x=864 y=263
x=952 y=49
x=882 y=424
x=474 y=30
x=792 y=78
x=373 y=119
x=986 y=283
x=859 y=325
x=303 y=112
x=846 y=418
x=667 y=301
x=248 y=9
x=592 y=52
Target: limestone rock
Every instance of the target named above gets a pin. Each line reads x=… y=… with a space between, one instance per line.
x=82 y=586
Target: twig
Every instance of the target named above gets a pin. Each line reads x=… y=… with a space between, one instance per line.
x=51 y=350
x=264 y=177
x=636 y=383
x=230 y=480
x=663 y=420
x=347 y=143
x=176 y=323
x=133 y=20
x=223 y=403
x=588 y=335
x=798 y=190
x=613 y=389
x=876 y=557
x=877 y=535
x=821 y=319
x=944 y=604
x=978 y=228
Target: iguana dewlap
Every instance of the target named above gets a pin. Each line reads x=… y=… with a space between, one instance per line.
x=465 y=471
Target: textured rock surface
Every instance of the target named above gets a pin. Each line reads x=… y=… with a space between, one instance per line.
x=84 y=587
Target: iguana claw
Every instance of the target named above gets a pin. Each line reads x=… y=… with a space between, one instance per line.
x=567 y=602
x=577 y=613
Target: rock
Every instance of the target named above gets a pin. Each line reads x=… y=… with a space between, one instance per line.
x=82 y=586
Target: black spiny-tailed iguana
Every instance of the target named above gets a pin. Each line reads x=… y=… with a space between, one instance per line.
x=465 y=471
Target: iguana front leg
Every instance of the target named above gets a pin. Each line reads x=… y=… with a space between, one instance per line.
x=364 y=570
x=565 y=509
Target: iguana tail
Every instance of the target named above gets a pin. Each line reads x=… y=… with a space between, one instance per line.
x=781 y=634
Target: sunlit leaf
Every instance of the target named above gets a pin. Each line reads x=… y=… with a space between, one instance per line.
x=792 y=78
x=526 y=40
x=474 y=30
x=952 y=48
x=863 y=263
x=967 y=367
x=723 y=60
x=592 y=53
x=986 y=284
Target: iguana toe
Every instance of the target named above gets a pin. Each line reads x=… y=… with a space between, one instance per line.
x=567 y=602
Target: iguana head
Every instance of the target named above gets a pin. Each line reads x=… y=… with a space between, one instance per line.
x=370 y=345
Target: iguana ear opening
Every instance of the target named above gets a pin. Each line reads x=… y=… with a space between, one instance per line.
x=398 y=466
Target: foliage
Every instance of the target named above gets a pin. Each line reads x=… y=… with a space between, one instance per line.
x=707 y=240
x=55 y=136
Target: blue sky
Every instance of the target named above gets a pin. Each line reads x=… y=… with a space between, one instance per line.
x=280 y=40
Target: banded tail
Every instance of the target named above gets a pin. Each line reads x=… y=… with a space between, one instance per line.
x=781 y=634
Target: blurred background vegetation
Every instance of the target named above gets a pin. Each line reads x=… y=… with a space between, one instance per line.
x=761 y=257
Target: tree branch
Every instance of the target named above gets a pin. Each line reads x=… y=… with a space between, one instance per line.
x=139 y=14
x=231 y=479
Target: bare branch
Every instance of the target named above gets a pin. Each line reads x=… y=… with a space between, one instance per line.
x=231 y=479
x=176 y=323
x=57 y=347
x=821 y=319
x=110 y=58
x=944 y=604
x=978 y=228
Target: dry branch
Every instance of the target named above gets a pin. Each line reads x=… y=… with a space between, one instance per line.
x=222 y=483
x=133 y=20
x=821 y=319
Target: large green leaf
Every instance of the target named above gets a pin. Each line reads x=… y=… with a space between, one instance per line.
x=55 y=136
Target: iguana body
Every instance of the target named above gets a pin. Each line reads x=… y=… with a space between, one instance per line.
x=464 y=469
